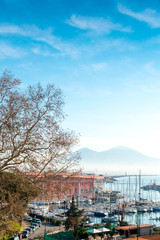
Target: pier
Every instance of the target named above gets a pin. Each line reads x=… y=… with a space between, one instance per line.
x=134 y=175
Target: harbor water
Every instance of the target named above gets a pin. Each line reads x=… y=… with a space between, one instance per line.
x=130 y=188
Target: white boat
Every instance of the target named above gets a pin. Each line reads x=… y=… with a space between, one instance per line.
x=88 y=214
x=130 y=210
x=141 y=209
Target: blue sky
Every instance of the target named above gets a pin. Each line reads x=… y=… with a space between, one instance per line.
x=104 y=55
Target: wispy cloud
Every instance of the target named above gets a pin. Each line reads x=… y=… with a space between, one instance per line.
x=39 y=35
x=10 y=51
x=98 y=25
x=120 y=44
x=41 y=51
x=149 y=16
x=102 y=66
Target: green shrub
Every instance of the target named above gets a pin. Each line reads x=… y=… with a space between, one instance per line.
x=9 y=229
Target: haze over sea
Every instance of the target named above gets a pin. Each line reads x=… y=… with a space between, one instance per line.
x=118 y=160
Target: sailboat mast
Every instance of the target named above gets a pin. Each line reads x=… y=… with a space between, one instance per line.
x=138 y=203
x=129 y=189
x=139 y=197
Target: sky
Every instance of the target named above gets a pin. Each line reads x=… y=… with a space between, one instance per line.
x=104 y=55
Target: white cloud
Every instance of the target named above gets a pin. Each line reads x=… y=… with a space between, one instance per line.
x=149 y=16
x=102 y=66
x=98 y=25
x=7 y=50
x=121 y=44
x=43 y=51
x=37 y=34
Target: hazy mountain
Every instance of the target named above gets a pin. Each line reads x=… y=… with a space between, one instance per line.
x=119 y=159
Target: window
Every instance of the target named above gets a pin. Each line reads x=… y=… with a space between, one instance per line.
x=81 y=190
x=86 y=190
x=75 y=190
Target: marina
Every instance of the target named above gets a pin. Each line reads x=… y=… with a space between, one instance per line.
x=135 y=204
x=148 y=207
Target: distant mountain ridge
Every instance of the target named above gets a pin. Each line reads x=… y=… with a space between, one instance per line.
x=119 y=159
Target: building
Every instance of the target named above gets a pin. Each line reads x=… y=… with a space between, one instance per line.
x=99 y=186
x=142 y=230
x=64 y=186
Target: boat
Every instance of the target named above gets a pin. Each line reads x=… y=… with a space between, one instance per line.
x=110 y=219
x=100 y=214
x=89 y=214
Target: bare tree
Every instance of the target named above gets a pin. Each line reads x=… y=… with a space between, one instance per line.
x=31 y=136
x=121 y=212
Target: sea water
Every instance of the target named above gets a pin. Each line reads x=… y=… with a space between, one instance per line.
x=130 y=188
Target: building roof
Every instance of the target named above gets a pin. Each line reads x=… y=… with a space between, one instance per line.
x=134 y=227
x=139 y=238
x=72 y=175
x=147 y=237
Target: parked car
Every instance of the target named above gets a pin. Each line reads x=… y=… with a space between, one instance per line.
x=36 y=220
x=35 y=224
x=39 y=223
x=33 y=227
x=14 y=238
x=25 y=234
x=29 y=230
x=28 y=218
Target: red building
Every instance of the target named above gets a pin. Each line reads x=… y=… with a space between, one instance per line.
x=65 y=186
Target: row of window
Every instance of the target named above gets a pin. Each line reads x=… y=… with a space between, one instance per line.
x=86 y=190
x=58 y=184
x=83 y=191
